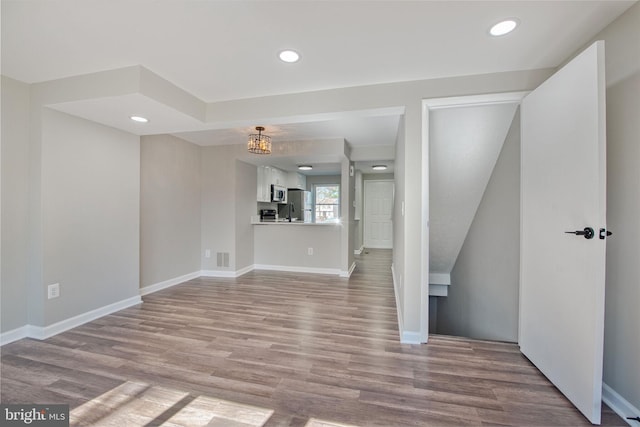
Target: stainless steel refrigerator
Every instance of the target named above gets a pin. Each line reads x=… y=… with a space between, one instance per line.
x=298 y=207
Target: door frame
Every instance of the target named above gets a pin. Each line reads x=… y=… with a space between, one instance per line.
x=427 y=106
x=364 y=204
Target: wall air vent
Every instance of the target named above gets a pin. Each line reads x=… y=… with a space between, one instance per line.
x=222 y=259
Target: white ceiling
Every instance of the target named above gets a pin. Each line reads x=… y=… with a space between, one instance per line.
x=226 y=50
x=223 y=50
x=358 y=131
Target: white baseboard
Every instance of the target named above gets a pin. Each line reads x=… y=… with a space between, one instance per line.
x=244 y=270
x=619 y=405
x=395 y=293
x=226 y=273
x=347 y=274
x=44 y=332
x=375 y=246
x=285 y=268
x=406 y=337
x=410 y=337
x=14 y=335
x=218 y=273
x=297 y=269
x=168 y=283
x=359 y=251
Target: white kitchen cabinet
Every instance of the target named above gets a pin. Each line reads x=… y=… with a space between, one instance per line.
x=268 y=175
x=264 y=184
x=278 y=177
x=297 y=180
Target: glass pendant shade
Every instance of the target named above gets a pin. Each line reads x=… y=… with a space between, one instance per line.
x=259 y=143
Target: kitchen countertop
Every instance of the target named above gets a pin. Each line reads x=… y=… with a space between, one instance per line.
x=285 y=222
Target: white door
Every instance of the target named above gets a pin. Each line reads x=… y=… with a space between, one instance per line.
x=378 y=206
x=563 y=189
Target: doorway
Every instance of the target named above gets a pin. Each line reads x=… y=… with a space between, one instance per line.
x=378 y=209
x=562 y=188
x=474 y=195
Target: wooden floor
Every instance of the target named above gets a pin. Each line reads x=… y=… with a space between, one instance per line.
x=279 y=349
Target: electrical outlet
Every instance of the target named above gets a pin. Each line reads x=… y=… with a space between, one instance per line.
x=207 y=253
x=53 y=291
x=310 y=251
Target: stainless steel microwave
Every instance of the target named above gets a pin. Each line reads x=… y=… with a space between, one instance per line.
x=278 y=194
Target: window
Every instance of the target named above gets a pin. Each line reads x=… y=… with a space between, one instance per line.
x=326 y=202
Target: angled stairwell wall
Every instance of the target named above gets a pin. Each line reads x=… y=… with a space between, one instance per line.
x=483 y=297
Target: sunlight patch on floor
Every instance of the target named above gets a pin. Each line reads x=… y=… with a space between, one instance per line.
x=141 y=404
x=320 y=423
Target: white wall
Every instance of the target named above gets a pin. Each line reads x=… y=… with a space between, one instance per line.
x=398 y=221
x=246 y=180
x=218 y=210
x=483 y=297
x=228 y=197
x=169 y=208
x=358 y=229
x=15 y=204
x=377 y=176
x=90 y=192
x=347 y=214
x=622 y=316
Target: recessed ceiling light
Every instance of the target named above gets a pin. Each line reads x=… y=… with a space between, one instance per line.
x=305 y=167
x=503 y=27
x=139 y=119
x=289 y=56
x=379 y=167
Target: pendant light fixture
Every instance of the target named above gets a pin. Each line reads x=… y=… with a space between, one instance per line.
x=259 y=143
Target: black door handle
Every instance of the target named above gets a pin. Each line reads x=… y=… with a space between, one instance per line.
x=603 y=233
x=587 y=232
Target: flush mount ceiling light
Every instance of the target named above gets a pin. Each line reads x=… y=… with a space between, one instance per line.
x=503 y=27
x=379 y=167
x=305 y=167
x=139 y=119
x=289 y=56
x=259 y=143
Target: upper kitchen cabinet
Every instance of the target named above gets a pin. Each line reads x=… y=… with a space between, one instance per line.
x=279 y=177
x=268 y=175
x=264 y=183
x=297 y=180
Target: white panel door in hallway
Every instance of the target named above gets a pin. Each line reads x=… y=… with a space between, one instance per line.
x=563 y=229
x=378 y=206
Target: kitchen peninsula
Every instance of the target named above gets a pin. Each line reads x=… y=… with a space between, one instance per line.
x=296 y=245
